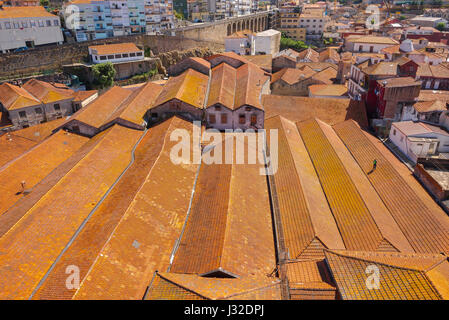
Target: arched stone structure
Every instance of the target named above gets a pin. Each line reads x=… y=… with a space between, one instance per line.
x=229 y=30
x=234 y=27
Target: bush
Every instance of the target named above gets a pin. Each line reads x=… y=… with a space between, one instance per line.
x=104 y=74
x=288 y=43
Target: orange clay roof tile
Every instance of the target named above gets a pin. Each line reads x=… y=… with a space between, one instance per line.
x=189 y=87
x=13 y=97
x=103 y=222
x=330 y=110
x=98 y=111
x=306 y=221
x=46 y=92
x=184 y=286
x=34 y=165
x=39 y=132
x=115 y=48
x=12 y=146
x=143 y=240
x=210 y=242
x=24 y=12
x=426 y=230
x=31 y=246
x=405 y=280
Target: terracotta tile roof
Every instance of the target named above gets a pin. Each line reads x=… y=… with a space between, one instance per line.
x=46 y=92
x=83 y=95
x=326 y=76
x=115 y=48
x=403 y=277
x=98 y=111
x=399 y=82
x=356 y=225
x=308 y=54
x=410 y=128
x=108 y=215
x=13 y=97
x=40 y=131
x=310 y=280
x=292 y=76
x=172 y=286
x=426 y=230
x=328 y=89
x=24 y=12
x=429 y=106
x=134 y=107
x=249 y=83
x=222 y=86
x=329 y=53
x=9 y=218
x=189 y=87
x=143 y=240
x=290 y=53
x=216 y=59
x=316 y=66
x=34 y=242
x=264 y=61
x=330 y=110
x=34 y=165
x=372 y=39
x=432 y=95
x=219 y=242
x=12 y=146
x=305 y=219
x=391 y=50
x=383 y=68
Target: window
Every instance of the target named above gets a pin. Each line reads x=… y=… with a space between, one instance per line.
x=118 y=56
x=212 y=118
x=57 y=107
x=247 y=108
x=217 y=108
x=253 y=119
x=139 y=54
x=38 y=110
x=7 y=25
x=16 y=25
x=111 y=57
x=125 y=55
x=24 y=24
x=394 y=132
x=22 y=114
x=56 y=23
x=48 y=23
x=102 y=57
x=41 y=23
x=224 y=118
x=132 y=54
x=242 y=118
x=33 y=23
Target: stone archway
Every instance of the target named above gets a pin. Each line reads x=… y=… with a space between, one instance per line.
x=246 y=24
x=239 y=26
x=251 y=25
x=229 y=29
x=234 y=27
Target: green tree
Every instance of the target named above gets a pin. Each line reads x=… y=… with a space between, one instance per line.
x=178 y=15
x=288 y=43
x=440 y=26
x=104 y=74
x=44 y=3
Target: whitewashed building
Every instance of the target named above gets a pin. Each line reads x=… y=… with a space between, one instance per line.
x=28 y=27
x=119 y=52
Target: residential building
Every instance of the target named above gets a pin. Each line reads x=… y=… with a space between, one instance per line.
x=314 y=22
x=433 y=76
x=240 y=42
x=159 y=15
x=419 y=140
x=120 y=52
x=38 y=102
x=28 y=27
x=266 y=42
x=289 y=23
x=427 y=21
x=372 y=44
x=336 y=91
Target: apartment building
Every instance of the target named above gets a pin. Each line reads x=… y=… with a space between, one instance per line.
x=120 y=52
x=314 y=22
x=28 y=27
x=159 y=15
x=289 y=18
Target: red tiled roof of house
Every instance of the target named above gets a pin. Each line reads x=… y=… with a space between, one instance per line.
x=115 y=48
